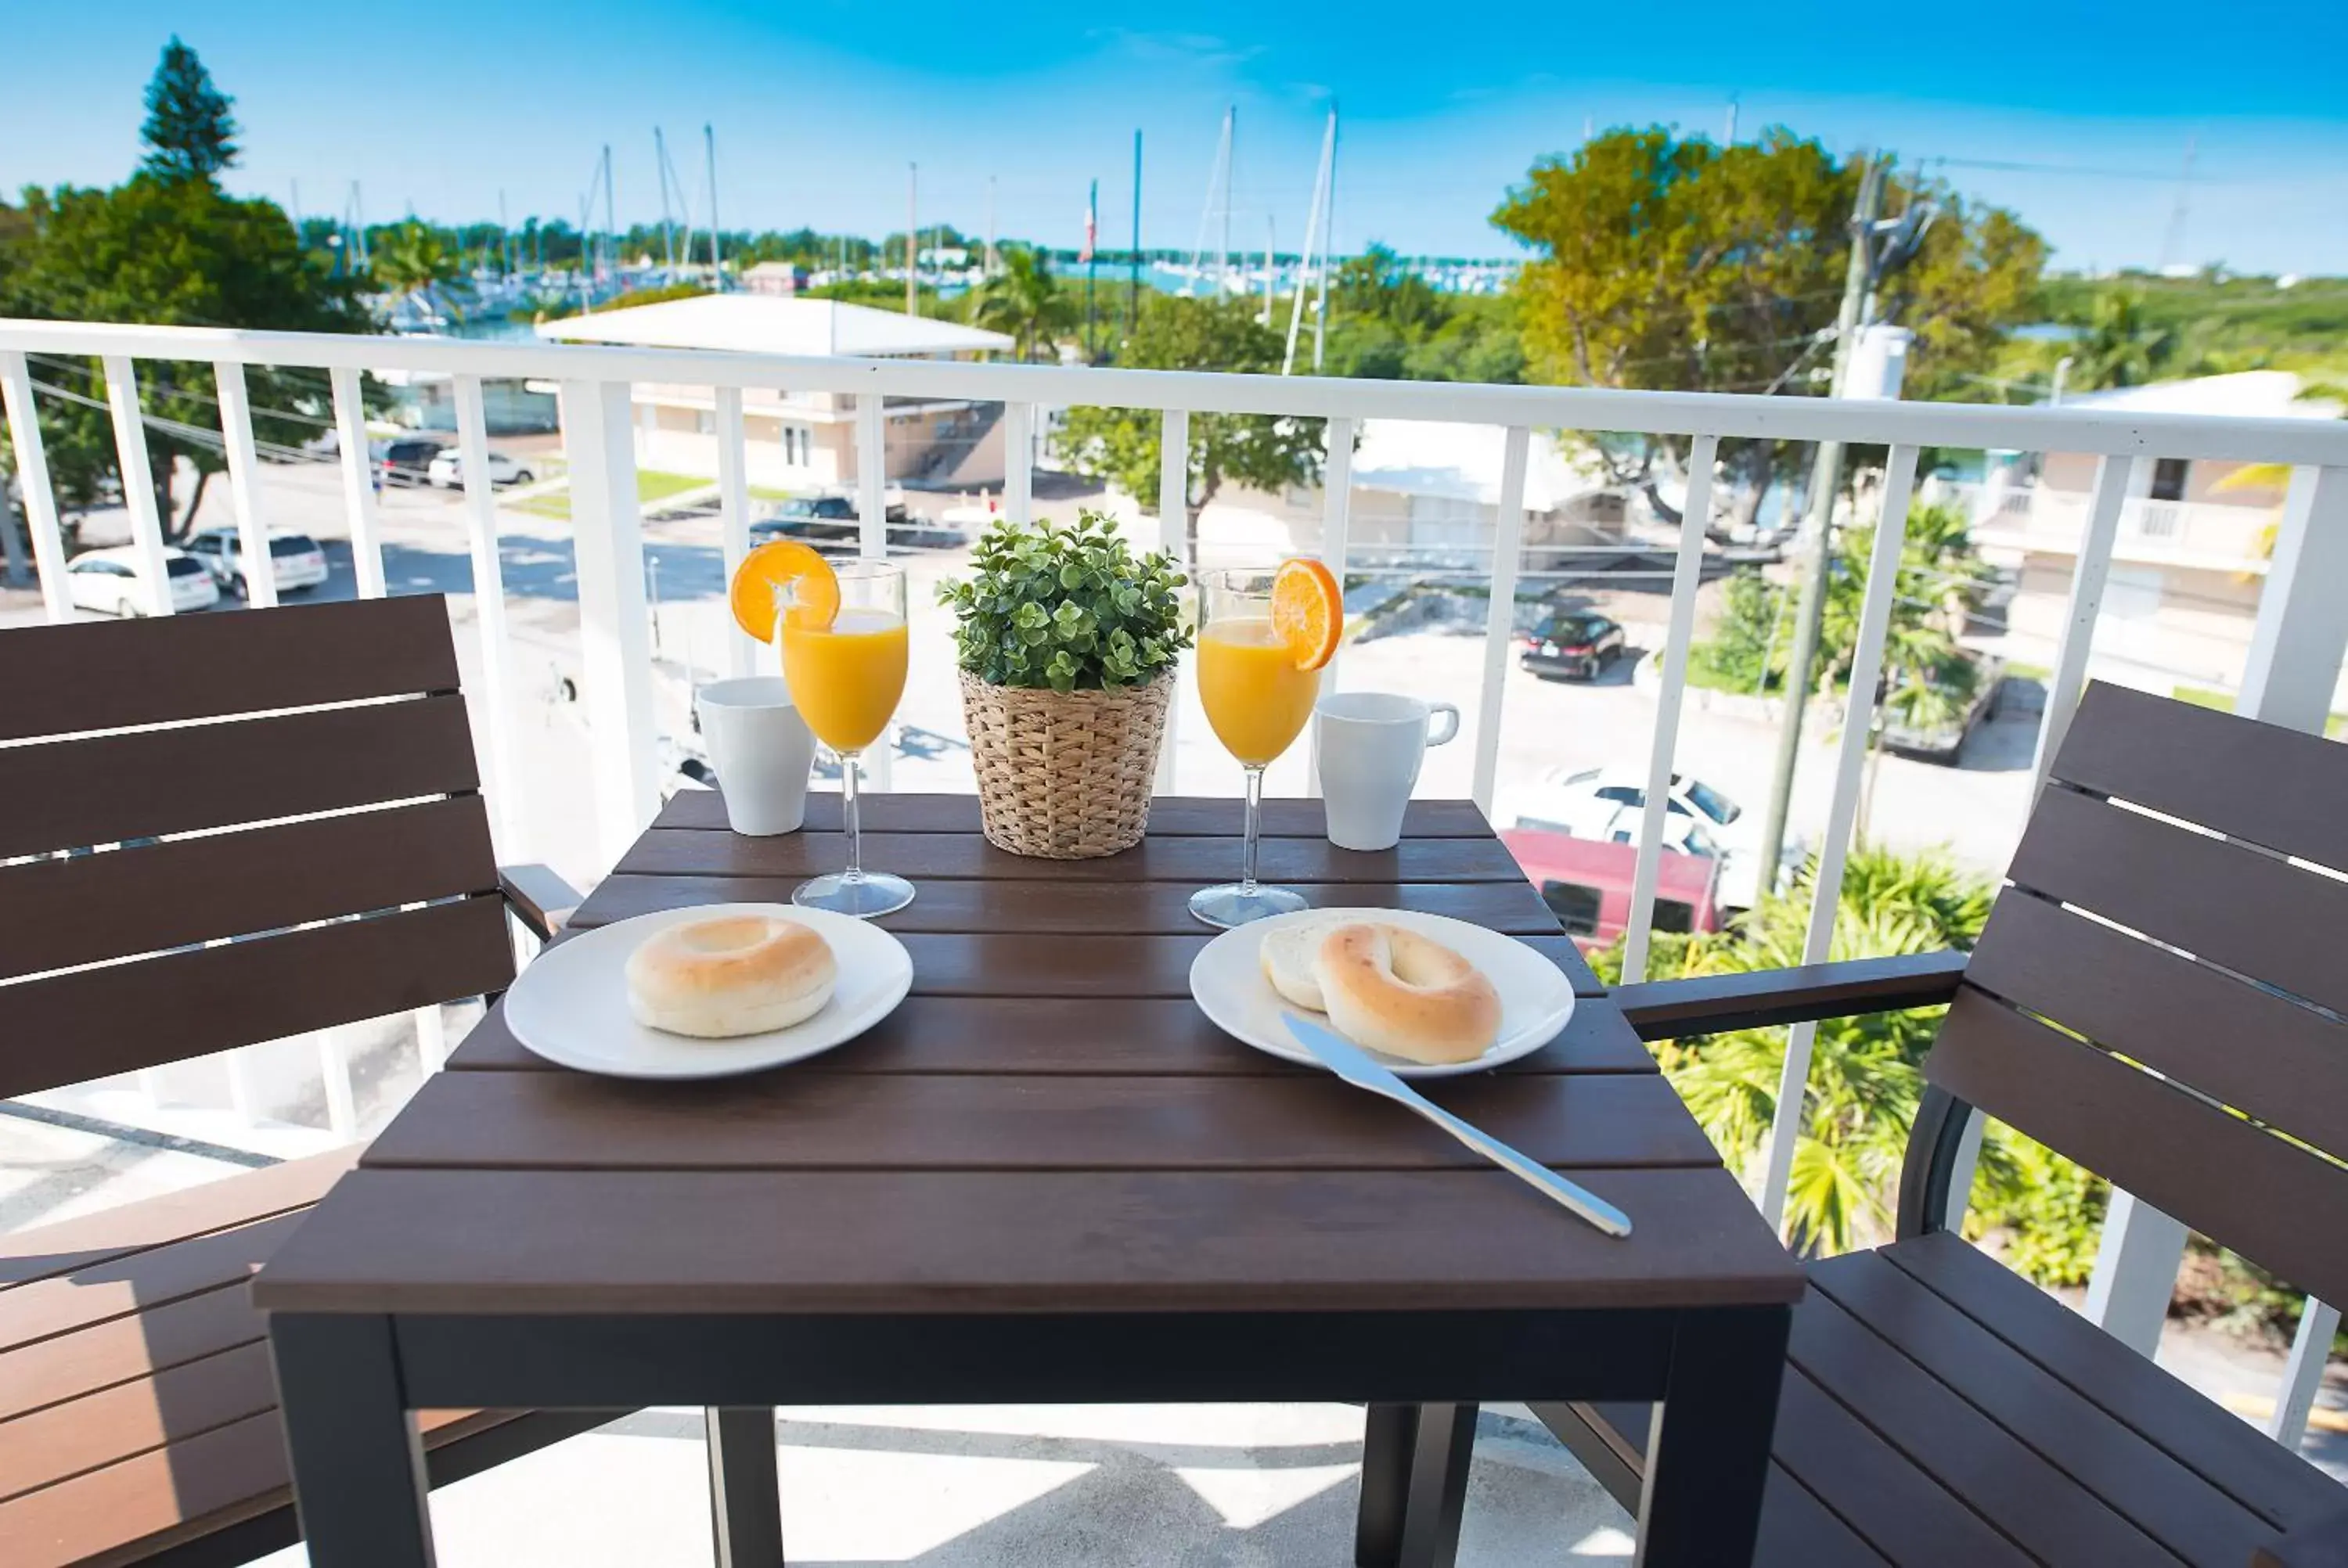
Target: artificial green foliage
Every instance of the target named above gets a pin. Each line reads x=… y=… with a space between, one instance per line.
x=1068 y=607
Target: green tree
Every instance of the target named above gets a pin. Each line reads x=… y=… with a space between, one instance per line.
x=1864 y=1081
x=1121 y=445
x=2120 y=348
x=170 y=253
x=189 y=134
x=1025 y=302
x=412 y=259
x=1668 y=262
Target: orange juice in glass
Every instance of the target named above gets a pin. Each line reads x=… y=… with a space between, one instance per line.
x=1263 y=640
x=846 y=671
x=1256 y=699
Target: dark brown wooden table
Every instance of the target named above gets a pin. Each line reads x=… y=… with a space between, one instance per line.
x=1045 y=1178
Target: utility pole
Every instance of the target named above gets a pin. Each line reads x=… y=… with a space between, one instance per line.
x=913 y=240
x=1826 y=478
x=1133 y=261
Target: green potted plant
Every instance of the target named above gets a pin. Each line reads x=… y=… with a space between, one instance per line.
x=1066 y=644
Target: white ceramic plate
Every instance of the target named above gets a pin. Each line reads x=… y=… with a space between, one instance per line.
x=1536 y=998
x=571 y=1005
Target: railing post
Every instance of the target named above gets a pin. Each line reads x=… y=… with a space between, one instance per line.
x=1336 y=541
x=1850 y=760
x=2303 y=1374
x=1687 y=574
x=614 y=633
x=1173 y=537
x=138 y=478
x=358 y=481
x=2079 y=623
x=244 y=485
x=490 y=614
x=873 y=544
x=734 y=518
x=33 y=474
x=1019 y=462
x=1501 y=619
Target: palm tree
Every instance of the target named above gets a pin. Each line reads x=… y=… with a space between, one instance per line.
x=2276 y=475
x=1864 y=1083
x=1024 y=301
x=411 y=260
x=2119 y=349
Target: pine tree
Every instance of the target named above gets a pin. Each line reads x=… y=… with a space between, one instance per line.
x=188 y=132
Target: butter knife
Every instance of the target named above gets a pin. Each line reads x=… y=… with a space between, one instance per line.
x=1354 y=1065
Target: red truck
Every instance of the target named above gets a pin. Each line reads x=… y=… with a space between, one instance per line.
x=1586 y=883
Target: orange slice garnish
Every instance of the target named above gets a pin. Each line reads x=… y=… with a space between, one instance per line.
x=783 y=577
x=1308 y=610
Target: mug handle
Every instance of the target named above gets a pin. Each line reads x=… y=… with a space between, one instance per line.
x=1450 y=731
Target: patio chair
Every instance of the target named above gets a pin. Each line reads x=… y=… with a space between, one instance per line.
x=169 y=888
x=2158 y=995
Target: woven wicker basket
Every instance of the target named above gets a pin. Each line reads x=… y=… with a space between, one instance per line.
x=1064 y=777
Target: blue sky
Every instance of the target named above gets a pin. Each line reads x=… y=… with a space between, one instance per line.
x=820 y=105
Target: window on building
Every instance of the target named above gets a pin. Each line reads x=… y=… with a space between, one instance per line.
x=1575 y=906
x=1672 y=915
x=2169 y=474
x=704 y=423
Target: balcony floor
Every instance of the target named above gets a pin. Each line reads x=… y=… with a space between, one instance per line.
x=1038 y=1487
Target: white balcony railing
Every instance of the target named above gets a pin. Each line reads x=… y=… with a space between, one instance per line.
x=2293 y=664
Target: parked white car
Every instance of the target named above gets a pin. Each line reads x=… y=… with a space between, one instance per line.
x=296 y=561
x=1609 y=804
x=447 y=471
x=116 y=581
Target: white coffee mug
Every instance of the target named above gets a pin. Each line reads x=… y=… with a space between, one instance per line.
x=762 y=751
x=1370 y=746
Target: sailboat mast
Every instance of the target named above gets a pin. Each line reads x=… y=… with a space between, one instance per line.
x=709 y=151
x=1312 y=234
x=1328 y=237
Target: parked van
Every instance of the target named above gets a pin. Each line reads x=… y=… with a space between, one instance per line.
x=1587 y=882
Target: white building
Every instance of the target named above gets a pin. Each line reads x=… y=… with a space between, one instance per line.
x=801 y=441
x=2193 y=546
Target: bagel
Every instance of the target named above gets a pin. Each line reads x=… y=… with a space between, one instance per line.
x=731 y=975
x=1288 y=952
x=1394 y=991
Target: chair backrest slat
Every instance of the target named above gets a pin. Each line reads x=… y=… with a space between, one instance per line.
x=68 y=795
x=2260 y=782
x=57 y=913
x=2270 y=1200
x=2265 y=1055
x=186 y=667
x=187 y=866
x=94 y=1022
x=2223 y=902
x=2159 y=997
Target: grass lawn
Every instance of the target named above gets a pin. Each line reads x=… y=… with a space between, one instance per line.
x=2204 y=697
x=652 y=485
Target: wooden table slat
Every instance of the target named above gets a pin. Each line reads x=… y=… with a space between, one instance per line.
x=725 y=1242
x=1195 y=861
x=1156 y=1036
x=812 y=1119
x=1110 y=908
x=1283 y=817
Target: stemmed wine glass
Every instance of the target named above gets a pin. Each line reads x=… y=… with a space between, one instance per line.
x=847 y=678
x=1257 y=700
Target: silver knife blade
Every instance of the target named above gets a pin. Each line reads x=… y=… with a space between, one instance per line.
x=1358 y=1068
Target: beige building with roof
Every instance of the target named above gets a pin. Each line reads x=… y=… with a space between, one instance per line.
x=802 y=442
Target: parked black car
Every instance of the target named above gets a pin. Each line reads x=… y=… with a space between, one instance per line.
x=1575 y=643
x=408 y=461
